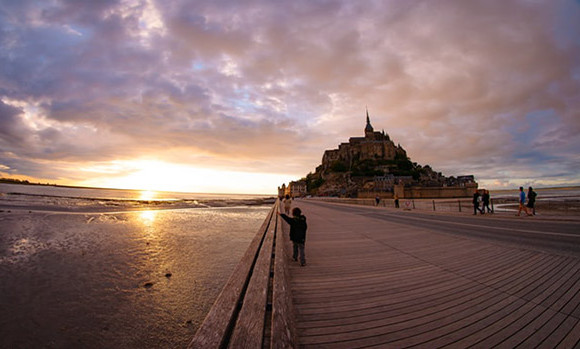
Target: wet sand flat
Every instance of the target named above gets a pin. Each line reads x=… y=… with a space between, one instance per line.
x=118 y=279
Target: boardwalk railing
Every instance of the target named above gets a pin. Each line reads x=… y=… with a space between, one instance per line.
x=254 y=309
x=555 y=206
x=443 y=205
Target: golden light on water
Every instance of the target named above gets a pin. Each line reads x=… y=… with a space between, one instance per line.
x=148 y=217
x=147 y=195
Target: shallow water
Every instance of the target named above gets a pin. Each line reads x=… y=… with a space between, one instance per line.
x=91 y=199
x=98 y=280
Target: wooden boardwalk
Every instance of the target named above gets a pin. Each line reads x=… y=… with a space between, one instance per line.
x=372 y=283
x=254 y=309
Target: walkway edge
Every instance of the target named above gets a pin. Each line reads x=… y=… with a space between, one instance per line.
x=254 y=309
x=218 y=325
x=283 y=318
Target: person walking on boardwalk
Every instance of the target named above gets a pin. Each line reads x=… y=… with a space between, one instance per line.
x=476 y=197
x=522 y=206
x=287 y=204
x=532 y=200
x=396 y=201
x=485 y=198
x=377 y=200
x=298 y=228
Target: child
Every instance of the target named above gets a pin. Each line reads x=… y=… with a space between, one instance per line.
x=297 y=233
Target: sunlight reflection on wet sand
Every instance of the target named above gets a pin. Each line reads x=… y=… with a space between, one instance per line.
x=147 y=217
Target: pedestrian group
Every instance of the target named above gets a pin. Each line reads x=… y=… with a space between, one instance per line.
x=530 y=207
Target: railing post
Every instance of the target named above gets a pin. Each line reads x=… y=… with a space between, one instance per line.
x=413 y=203
x=433 y=205
x=459 y=202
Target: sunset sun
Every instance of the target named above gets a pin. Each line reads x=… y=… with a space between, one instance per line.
x=156 y=175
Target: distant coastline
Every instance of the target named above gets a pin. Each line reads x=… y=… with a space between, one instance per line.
x=577 y=187
x=26 y=182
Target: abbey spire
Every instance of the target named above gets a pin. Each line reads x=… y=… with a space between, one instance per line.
x=369 y=128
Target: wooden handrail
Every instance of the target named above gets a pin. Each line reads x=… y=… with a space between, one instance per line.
x=256 y=302
x=283 y=317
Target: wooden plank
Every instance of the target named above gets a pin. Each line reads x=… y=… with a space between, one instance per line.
x=218 y=322
x=420 y=327
x=565 y=273
x=572 y=339
x=513 y=276
x=332 y=317
x=373 y=283
x=433 y=304
x=545 y=332
x=473 y=333
x=560 y=333
x=462 y=323
x=249 y=328
x=534 y=324
x=570 y=295
x=546 y=277
x=530 y=276
x=283 y=318
x=439 y=314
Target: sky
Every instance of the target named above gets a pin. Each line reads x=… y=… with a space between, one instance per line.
x=233 y=96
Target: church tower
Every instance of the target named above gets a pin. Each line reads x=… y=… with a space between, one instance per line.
x=369 y=131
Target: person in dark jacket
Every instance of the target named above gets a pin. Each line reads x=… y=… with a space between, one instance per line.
x=476 y=197
x=298 y=228
x=485 y=198
x=532 y=200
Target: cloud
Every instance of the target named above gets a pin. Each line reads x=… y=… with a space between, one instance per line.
x=479 y=87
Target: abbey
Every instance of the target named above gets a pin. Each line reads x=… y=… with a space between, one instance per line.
x=373 y=146
x=372 y=166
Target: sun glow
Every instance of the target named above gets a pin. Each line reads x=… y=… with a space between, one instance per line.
x=151 y=175
x=147 y=195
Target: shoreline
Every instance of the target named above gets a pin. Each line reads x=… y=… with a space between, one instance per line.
x=109 y=210
x=17 y=182
x=72 y=203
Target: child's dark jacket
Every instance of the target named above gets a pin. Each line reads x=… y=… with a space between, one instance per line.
x=297 y=227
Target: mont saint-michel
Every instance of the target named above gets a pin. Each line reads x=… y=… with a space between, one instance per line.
x=374 y=165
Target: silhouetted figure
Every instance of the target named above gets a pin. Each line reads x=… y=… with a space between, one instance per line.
x=298 y=228
x=377 y=200
x=485 y=198
x=476 y=197
x=396 y=201
x=532 y=200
